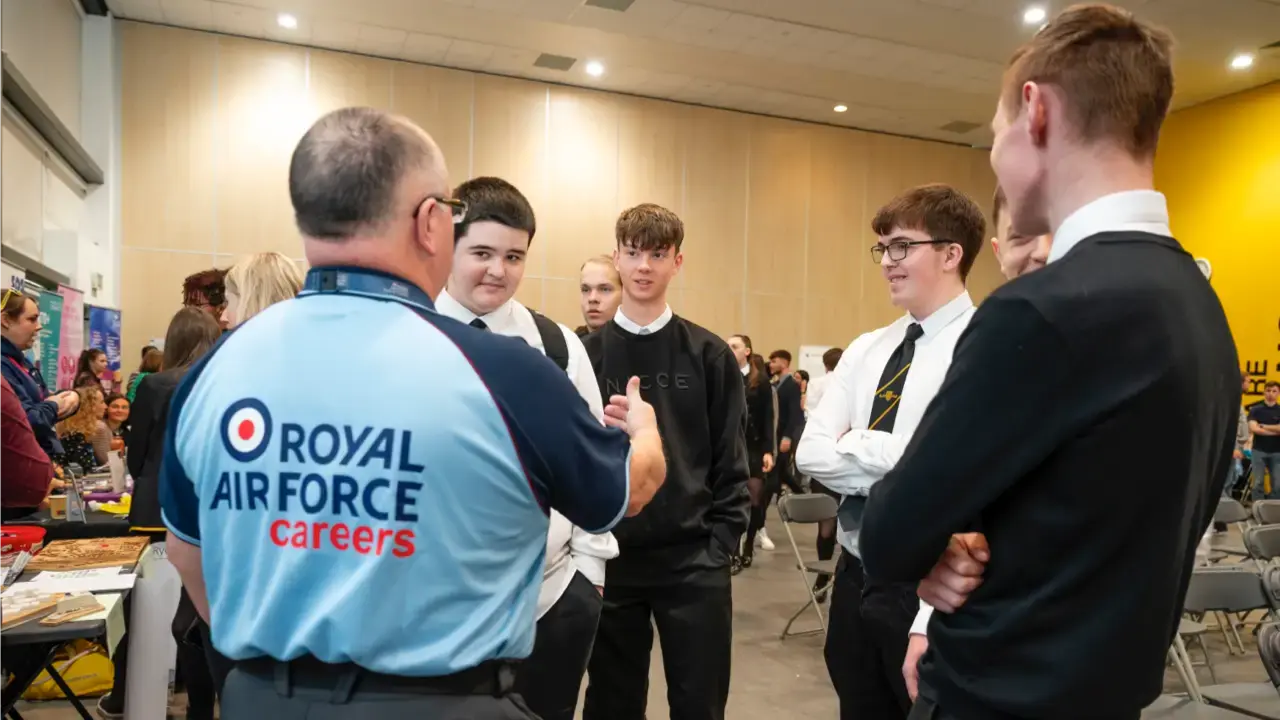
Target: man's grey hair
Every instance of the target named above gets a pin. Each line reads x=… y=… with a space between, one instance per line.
x=345 y=171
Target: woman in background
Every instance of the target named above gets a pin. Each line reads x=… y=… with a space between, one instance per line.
x=117 y=419
x=85 y=437
x=258 y=282
x=760 y=439
x=19 y=326
x=152 y=359
x=90 y=368
x=191 y=334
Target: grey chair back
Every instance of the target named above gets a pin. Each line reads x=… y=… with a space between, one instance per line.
x=1229 y=511
x=810 y=508
x=1225 y=590
x=1269 y=649
x=1263 y=542
x=1266 y=512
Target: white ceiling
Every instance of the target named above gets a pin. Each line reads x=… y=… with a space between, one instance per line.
x=901 y=66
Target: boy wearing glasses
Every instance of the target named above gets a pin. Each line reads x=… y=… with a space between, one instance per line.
x=928 y=239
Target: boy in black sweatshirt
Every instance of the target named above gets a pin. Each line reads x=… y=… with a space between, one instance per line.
x=673 y=570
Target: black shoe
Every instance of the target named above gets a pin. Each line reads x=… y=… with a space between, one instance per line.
x=735 y=565
x=746 y=561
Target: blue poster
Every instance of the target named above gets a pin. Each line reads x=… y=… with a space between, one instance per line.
x=104 y=333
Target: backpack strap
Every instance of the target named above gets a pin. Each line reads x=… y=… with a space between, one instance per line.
x=553 y=342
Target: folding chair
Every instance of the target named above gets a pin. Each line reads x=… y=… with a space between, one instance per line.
x=1230 y=511
x=1266 y=512
x=1232 y=591
x=807 y=510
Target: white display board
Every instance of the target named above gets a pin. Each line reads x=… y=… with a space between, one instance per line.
x=811 y=360
x=152 y=650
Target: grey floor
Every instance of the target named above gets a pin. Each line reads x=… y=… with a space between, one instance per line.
x=787 y=679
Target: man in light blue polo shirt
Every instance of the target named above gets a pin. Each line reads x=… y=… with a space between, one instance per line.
x=374 y=548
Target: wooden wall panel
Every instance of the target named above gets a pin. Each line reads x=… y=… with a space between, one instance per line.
x=167 y=138
x=776 y=213
x=439 y=101
x=582 y=189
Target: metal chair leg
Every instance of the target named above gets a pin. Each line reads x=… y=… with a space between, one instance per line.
x=1184 y=673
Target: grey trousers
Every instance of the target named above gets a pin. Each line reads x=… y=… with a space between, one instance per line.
x=253 y=697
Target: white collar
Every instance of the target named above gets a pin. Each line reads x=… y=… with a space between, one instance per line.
x=943 y=316
x=1134 y=210
x=746 y=369
x=497 y=320
x=636 y=328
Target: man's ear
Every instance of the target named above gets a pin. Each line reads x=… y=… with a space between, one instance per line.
x=1035 y=99
x=679 y=261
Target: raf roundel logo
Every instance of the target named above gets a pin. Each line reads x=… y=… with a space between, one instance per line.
x=246 y=429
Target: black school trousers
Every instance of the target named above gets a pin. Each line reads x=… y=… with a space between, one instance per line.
x=550 y=679
x=694 y=617
x=867 y=629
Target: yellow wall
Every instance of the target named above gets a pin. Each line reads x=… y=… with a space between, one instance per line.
x=777 y=213
x=1219 y=166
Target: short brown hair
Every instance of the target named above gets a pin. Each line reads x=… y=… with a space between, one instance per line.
x=831 y=358
x=941 y=212
x=649 y=227
x=192 y=332
x=998 y=202
x=1114 y=71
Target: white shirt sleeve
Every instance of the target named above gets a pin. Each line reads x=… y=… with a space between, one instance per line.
x=920 y=626
x=825 y=454
x=588 y=552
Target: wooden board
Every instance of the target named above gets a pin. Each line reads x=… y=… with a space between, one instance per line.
x=89 y=553
x=47 y=607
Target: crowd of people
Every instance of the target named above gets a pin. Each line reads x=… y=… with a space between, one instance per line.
x=561 y=511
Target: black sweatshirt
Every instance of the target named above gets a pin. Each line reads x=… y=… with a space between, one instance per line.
x=1061 y=375
x=693 y=382
x=760 y=420
x=790 y=410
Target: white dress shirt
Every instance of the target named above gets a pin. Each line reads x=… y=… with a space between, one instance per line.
x=813 y=396
x=636 y=328
x=837 y=449
x=1132 y=210
x=569 y=548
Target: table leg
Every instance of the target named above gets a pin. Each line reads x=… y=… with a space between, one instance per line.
x=14 y=715
x=32 y=660
x=62 y=684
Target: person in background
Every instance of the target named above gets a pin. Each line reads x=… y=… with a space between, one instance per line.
x=257 y=282
x=928 y=239
x=85 y=437
x=1017 y=254
x=1264 y=423
x=191 y=333
x=601 y=289
x=27 y=469
x=790 y=420
x=1119 y=342
x=760 y=440
x=802 y=377
x=826 y=539
x=674 y=568
x=1244 y=448
x=206 y=290
x=488 y=265
x=90 y=368
x=817 y=386
x=152 y=359
x=117 y=419
x=19 y=326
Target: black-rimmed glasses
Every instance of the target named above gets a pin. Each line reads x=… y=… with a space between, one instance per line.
x=898 y=249
x=457 y=208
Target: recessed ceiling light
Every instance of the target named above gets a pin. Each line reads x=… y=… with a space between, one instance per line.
x=1242 y=61
x=595 y=68
x=840 y=108
x=285 y=20
x=1034 y=15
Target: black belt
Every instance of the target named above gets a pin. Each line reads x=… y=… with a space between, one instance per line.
x=492 y=677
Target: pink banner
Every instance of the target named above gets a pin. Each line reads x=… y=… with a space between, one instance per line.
x=72 y=335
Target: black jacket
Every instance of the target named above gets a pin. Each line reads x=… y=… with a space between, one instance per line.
x=693 y=382
x=760 y=418
x=145 y=441
x=1059 y=380
x=790 y=410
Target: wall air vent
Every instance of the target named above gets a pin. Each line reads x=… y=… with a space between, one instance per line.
x=554 y=62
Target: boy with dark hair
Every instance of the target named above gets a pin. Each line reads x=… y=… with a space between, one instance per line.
x=928 y=238
x=1118 y=342
x=1264 y=423
x=673 y=570
x=207 y=290
x=489 y=261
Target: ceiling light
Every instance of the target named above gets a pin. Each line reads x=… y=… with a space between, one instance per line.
x=285 y=20
x=1242 y=61
x=595 y=69
x=1034 y=15
x=840 y=108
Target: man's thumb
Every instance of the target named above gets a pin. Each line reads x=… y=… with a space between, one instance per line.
x=976 y=543
x=633 y=388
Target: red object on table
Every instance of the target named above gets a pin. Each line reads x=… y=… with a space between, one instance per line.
x=16 y=538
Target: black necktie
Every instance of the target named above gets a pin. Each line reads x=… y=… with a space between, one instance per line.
x=478 y=324
x=884 y=411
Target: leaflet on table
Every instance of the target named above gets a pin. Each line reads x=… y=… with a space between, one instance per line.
x=92 y=583
x=73 y=574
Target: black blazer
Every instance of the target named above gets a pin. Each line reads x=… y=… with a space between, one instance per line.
x=790 y=410
x=759 y=419
x=1108 y=375
x=145 y=440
